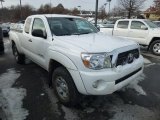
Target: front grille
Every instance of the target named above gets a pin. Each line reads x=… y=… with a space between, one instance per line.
x=127 y=57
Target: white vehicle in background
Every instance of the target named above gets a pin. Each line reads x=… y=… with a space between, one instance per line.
x=157 y=23
x=106 y=28
x=144 y=32
x=79 y=59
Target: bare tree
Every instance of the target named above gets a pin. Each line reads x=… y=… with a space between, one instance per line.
x=131 y=6
x=102 y=14
x=157 y=6
x=75 y=11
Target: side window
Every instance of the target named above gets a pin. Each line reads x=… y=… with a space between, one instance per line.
x=137 y=25
x=123 y=24
x=27 y=25
x=38 y=24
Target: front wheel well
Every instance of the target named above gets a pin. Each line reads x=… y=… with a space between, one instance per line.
x=53 y=64
x=154 y=39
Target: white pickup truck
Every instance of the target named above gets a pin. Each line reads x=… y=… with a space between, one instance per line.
x=79 y=59
x=144 y=32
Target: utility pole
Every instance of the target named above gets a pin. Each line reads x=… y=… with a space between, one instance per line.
x=96 y=13
x=2 y=3
x=20 y=2
x=50 y=6
x=109 y=1
x=2 y=9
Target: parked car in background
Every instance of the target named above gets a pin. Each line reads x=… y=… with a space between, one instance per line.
x=157 y=23
x=144 y=32
x=79 y=59
x=5 y=28
x=1 y=42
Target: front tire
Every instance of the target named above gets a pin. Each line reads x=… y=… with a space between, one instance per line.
x=64 y=87
x=155 y=47
x=20 y=58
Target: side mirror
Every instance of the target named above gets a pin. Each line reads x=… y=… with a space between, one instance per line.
x=143 y=27
x=39 y=33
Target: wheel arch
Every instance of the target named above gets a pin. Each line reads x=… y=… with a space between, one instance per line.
x=153 y=39
x=56 y=60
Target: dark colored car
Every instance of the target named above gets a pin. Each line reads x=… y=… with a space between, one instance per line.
x=5 y=29
x=1 y=42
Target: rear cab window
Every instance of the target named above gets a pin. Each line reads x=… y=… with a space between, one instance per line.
x=123 y=24
x=27 y=25
x=38 y=24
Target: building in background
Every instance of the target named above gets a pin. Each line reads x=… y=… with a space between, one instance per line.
x=152 y=14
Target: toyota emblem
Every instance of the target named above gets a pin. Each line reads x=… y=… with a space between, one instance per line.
x=130 y=58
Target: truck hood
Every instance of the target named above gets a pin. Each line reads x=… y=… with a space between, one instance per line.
x=96 y=42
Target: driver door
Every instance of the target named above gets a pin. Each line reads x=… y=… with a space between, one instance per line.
x=138 y=32
x=39 y=44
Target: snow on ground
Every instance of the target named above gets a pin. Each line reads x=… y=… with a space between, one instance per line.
x=132 y=112
x=11 y=98
x=70 y=114
x=135 y=85
x=146 y=61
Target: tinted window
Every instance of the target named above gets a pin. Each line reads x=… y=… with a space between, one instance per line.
x=27 y=25
x=38 y=24
x=70 y=26
x=123 y=24
x=137 y=25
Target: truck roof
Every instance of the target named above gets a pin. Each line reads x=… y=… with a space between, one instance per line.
x=133 y=19
x=56 y=15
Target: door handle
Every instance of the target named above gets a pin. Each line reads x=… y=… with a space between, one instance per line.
x=30 y=40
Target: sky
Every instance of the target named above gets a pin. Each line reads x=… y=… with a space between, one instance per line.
x=85 y=4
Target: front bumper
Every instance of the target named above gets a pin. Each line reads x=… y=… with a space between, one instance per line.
x=110 y=80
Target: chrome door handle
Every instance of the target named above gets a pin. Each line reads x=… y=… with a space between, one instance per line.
x=30 y=40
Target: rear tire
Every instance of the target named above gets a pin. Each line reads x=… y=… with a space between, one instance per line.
x=155 y=47
x=64 y=87
x=20 y=58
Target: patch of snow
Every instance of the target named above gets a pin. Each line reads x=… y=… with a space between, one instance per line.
x=151 y=64
x=134 y=85
x=132 y=112
x=89 y=110
x=146 y=61
x=70 y=114
x=11 y=98
x=14 y=97
x=42 y=94
x=8 y=79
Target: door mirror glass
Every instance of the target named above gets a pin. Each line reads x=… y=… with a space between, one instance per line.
x=143 y=27
x=39 y=33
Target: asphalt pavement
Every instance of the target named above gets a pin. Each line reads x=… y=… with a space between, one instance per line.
x=25 y=95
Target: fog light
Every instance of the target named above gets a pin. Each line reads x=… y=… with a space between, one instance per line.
x=95 y=84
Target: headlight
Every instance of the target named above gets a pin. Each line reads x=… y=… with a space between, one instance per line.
x=96 y=61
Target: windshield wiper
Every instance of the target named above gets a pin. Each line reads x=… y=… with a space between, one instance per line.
x=87 y=33
x=76 y=34
x=81 y=33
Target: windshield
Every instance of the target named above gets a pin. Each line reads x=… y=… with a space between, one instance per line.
x=151 y=24
x=70 y=26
